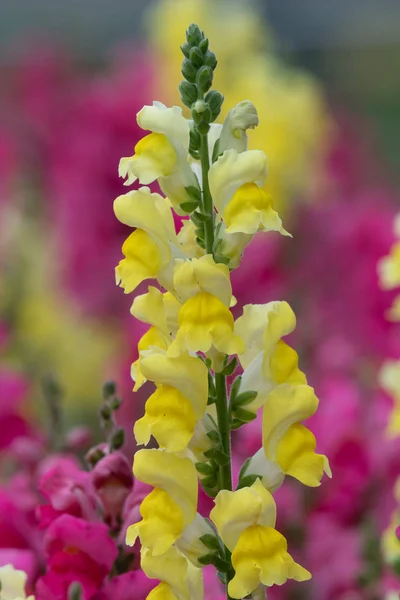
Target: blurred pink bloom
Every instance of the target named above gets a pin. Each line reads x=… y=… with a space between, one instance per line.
x=112 y=479
x=77 y=551
x=130 y=585
x=68 y=490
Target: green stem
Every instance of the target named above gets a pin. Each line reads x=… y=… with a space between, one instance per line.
x=207 y=199
x=225 y=471
x=224 y=430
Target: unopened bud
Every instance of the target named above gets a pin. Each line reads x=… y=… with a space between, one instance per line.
x=189 y=71
x=204 y=78
x=210 y=59
x=117 y=439
x=240 y=118
x=196 y=56
x=194 y=35
x=188 y=93
x=109 y=389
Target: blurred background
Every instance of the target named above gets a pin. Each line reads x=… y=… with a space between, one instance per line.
x=324 y=77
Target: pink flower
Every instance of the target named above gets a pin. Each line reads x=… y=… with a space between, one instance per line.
x=68 y=490
x=130 y=585
x=112 y=479
x=79 y=551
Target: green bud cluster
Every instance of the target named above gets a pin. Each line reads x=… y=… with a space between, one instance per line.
x=198 y=70
x=111 y=403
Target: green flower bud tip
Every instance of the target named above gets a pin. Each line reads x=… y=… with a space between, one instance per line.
x=193 y=35
x=196 y=56
x=205 y=78
x=109 y=389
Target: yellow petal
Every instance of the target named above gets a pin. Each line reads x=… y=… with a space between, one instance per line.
x=187 y=240
x=154 y=157
x=250 y=210
x=158 y=309
x=205 y=322
x=202 y=275
x=161 y=525
x=169 y=417
x=285 y=406
x=393 y=314
x=152 y=339
x=167 y=121
x=143 y=260
x=261 y=556
x=170 y=568
x=186 y=373
x=162 y=592
x=231 y=171
x=282 y=366
x=236 y=511
x=176 y=475
x=189 y=542
x=145 y=210
x=261 y=326
x=295 y=454
x=389 y=268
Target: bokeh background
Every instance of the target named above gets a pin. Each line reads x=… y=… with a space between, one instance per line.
x=324 y=77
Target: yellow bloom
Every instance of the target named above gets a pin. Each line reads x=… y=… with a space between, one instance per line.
x=389 y=268
x=267 y=361
x=157 y=309
x=163 y=154
x=389 y=379
x=202 y=275
x=178 y=403
x=147 y=250
x=393 y=314
x=151 y=340
x=179 y=578
x=261 y=556
x=286 y=442
x=245 y=520
x=205 y=323
x=235 y=181
x=187 y=240
x=172 y=504
x=12 y=584
x=390 y=540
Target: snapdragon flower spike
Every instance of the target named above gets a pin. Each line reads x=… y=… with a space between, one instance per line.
x=193 y=344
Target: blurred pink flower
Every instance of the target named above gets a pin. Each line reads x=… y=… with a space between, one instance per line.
x=76 y=551
x=112 y=479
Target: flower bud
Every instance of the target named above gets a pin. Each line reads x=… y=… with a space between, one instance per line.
x=196 y=56
x=210 y=59
x=188 y=93
x=112 y=478
x=214 y=100
x=194 y=35
x=189 y=71
x=240 y=118
x=204 y=78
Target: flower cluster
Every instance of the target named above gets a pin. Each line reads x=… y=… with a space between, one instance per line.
x=389 y=274
x=193 y=344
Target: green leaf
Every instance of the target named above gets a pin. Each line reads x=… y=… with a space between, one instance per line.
x=200 y=217
x=214 y=435
x=247 y=481
x=213 y=559
x=243 y=468
x=210 y=541
x=216 y=153
x=236 y=423
x=189 y=206
x=244 y=415
x=235 y=389
x=205 y=469
x=209 y=482
x=230 y=367
x=194 y=192
x=244 y=398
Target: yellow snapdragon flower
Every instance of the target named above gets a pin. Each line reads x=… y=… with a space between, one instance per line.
x=245 y=520
x=389 y=379
x=286 y=442
x=179 y=401
x=236 y=181
x=267 y=361
x=163 y=154
x=179 y=579
x=172 y=504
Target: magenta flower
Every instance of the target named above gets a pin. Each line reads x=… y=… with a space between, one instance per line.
x=77 y=551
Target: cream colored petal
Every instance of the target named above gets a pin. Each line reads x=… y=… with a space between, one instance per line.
x=232 y=170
